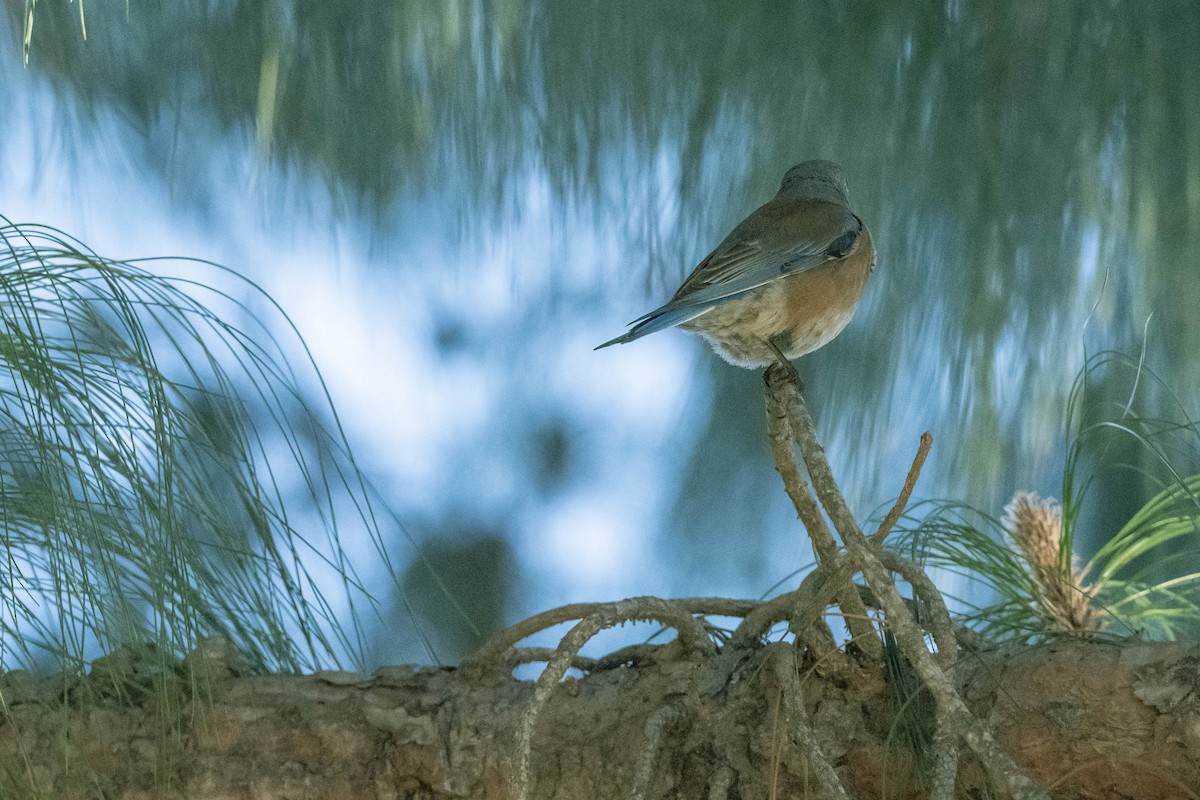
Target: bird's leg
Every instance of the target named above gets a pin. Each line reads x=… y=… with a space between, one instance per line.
x=785 y=362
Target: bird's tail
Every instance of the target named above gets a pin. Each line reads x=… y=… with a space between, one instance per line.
x=667 y=316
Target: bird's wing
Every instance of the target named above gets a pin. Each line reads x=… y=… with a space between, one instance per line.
x=793 y=239
x=777 y=240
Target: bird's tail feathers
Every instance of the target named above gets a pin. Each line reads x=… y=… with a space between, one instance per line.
x=666 y=317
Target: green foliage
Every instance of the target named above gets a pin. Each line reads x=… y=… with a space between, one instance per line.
x=1139 y=581
x=157 y=464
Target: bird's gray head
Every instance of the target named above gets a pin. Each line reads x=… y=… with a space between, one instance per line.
x=819 y=180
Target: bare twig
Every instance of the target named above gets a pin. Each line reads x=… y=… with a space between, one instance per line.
x=910 y=481
x=814 y=595
x=677 y=615
x=934 y=616
x=717 y=606
x=493 y=650
x=601 y=616
x=633 y=654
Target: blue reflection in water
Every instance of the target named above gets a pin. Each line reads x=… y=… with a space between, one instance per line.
x=452 y=244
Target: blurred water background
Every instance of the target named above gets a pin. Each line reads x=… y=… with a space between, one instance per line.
x=455 y=201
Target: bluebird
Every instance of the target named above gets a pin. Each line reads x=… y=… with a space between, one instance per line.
x=783 y=283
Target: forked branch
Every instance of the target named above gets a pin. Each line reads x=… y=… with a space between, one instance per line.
x=953 y=714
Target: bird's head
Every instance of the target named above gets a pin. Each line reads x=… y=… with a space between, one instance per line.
x=819 y=180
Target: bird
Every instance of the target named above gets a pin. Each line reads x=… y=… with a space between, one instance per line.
x=783 y=283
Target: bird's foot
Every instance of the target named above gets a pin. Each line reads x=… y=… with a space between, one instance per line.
x=785 y=364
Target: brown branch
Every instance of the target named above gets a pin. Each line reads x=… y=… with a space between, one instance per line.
x=910 y=481
x=779 y=435
x=944 y=766
x=936 y=617
x=635 y=655
x=603 y=615
x=781 y=390
x=673 y=614
x=803 y=608
x=406 y=729
x=799 y=726
x=952 y=710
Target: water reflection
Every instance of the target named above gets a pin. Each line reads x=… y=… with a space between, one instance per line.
x=458 y=200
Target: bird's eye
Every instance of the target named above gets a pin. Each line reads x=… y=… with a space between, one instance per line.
x=843 y=244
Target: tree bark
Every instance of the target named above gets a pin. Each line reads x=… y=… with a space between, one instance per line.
x=1084 y=719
